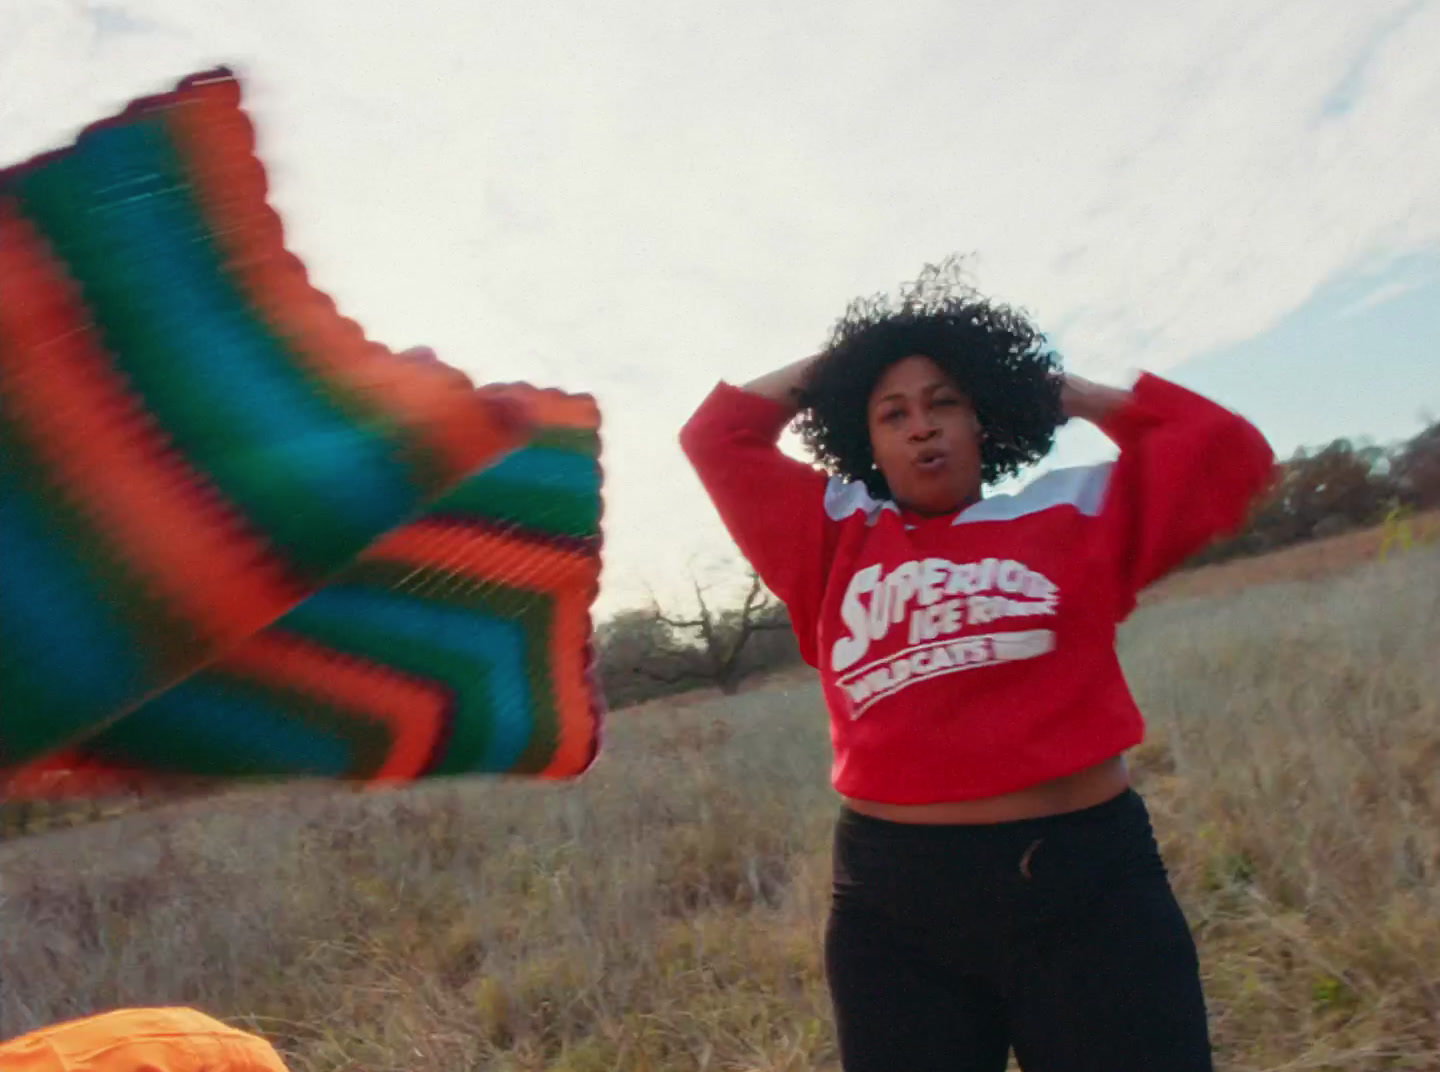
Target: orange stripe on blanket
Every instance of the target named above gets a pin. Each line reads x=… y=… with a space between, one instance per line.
x=436 y=403
x=568 y=648
x=551 y=407
x=87 y=429
x=570 y=580
x=68 y=775
x=482 y=556
x=415 y=712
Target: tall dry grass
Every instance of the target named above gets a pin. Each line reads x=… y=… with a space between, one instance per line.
x=665 y=912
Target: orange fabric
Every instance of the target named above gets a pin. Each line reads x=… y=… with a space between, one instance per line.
x=140 y=1040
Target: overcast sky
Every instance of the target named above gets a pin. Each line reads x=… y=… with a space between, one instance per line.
x=636 y=199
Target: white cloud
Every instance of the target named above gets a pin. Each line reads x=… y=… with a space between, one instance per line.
x=1383 y=293
x=637 y=199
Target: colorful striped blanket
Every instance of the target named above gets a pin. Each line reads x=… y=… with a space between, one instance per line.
x=238 y=539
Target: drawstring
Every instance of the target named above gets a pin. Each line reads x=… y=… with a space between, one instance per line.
x=1025 y=859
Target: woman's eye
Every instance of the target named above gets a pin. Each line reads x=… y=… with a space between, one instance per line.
x=946 y=402
x=891 y=416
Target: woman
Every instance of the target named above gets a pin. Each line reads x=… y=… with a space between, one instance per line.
x=997 y=882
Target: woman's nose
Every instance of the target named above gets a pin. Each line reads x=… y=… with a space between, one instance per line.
x=922 y=427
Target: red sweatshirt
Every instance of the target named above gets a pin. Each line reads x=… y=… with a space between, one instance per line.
x=973 y=654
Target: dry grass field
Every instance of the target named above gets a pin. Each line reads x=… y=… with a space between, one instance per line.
x=1310 y=561
x=665 y=912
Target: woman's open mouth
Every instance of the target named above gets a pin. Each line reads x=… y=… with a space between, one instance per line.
x=930 y=461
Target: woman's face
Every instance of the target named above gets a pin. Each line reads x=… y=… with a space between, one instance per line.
x=925 y=437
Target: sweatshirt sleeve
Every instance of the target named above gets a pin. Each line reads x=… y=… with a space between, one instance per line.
x=1188 y=473
x=772 y=505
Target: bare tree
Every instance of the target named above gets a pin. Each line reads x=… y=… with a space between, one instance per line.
x=719 y=638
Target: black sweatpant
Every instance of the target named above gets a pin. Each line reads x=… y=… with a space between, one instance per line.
x=1060 y=937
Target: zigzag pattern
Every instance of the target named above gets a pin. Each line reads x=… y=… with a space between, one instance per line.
x=236 y=538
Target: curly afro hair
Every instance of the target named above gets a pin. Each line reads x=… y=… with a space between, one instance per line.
x=992 y=352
